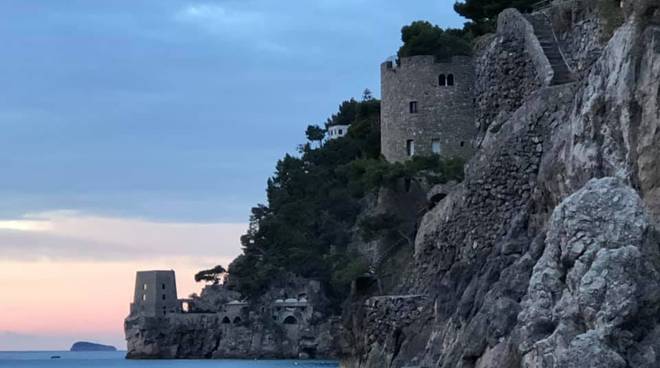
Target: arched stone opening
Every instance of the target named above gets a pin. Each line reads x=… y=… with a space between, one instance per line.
x=290 y=320
x=226 y=320
x=237 y=320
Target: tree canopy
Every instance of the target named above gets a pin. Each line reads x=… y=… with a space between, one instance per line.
x=483 y=13
x=315 y=133
x=214 y=275
x=424 y=38
x=306 y=225
x=314 y=200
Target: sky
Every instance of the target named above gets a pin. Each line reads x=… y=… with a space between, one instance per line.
x=137 y=135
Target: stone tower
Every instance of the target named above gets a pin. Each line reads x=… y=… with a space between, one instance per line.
x=155 y=294
x=427 y=107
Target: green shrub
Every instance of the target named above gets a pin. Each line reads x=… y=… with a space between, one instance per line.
x=483 y=13
x=423 y=38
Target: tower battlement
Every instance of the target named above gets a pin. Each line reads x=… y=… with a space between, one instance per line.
x=414 y=62
x=427 y=107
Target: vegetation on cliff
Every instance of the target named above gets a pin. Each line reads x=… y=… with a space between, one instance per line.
x=314 y=200
x=424 y=38
x=483 y=13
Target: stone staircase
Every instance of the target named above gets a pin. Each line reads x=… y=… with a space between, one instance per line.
x=544 y=33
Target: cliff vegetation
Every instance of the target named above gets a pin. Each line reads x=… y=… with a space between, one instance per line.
x=314 y=200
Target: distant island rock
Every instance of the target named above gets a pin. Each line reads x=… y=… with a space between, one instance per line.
x=90 y=346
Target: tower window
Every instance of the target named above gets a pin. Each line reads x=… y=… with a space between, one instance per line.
x=144 y=297
x=163 y=286
x=290 y=320
x=413 y=107
x=144 y=287
x=163 y=296
x=442 y=80
x=462 y=144
x=410 y=147
x=450 y=80
x=435 y=146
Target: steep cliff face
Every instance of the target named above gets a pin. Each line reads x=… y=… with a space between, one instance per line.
x=547 y=254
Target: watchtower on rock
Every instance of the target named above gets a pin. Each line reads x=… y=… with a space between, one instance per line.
x=427 y=107
x=155 y=294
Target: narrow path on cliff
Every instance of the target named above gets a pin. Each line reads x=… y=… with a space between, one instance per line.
x=546 y=36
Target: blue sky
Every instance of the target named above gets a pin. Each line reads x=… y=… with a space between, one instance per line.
x=176 y=110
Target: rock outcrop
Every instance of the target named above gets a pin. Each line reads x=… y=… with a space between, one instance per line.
x=91 y=346
x=594 y=295
x=288 y=322
x=547 y=254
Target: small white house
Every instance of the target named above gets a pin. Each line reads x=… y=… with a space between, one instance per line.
x=337 y=131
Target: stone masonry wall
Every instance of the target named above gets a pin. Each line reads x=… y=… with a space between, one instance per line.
x=506 y=72
x=581 y=44
x=445 y=113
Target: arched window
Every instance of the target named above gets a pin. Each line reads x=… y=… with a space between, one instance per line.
x=442 y=80
x=450 y=80
x=226 y=320
x=290 y=320
x=237 y=320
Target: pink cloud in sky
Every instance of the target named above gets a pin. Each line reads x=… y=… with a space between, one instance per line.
x=53 y=288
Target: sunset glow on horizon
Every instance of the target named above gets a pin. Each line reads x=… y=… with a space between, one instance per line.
x=84 y=292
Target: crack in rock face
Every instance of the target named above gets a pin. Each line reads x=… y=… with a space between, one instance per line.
x=594 y=294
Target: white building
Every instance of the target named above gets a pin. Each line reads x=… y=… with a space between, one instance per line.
x=337 y=131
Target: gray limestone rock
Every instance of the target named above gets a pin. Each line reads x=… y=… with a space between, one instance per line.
x=547 y=254
x=596 y=284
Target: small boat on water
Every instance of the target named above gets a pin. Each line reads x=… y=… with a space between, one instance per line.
x=55 y=357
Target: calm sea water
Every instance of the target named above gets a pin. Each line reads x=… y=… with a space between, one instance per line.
x=39 y=359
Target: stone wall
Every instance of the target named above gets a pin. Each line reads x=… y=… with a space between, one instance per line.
x=507 y=70
x=384 y=324
x=444 y=113
x=580 y=36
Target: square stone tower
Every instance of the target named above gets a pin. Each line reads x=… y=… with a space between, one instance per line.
x=155 y=294
x=427 y=107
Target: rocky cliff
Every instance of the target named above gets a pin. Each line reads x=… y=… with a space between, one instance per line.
x=547 y=255
x=218 y=326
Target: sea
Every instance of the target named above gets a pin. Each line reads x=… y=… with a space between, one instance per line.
x=66 y=359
